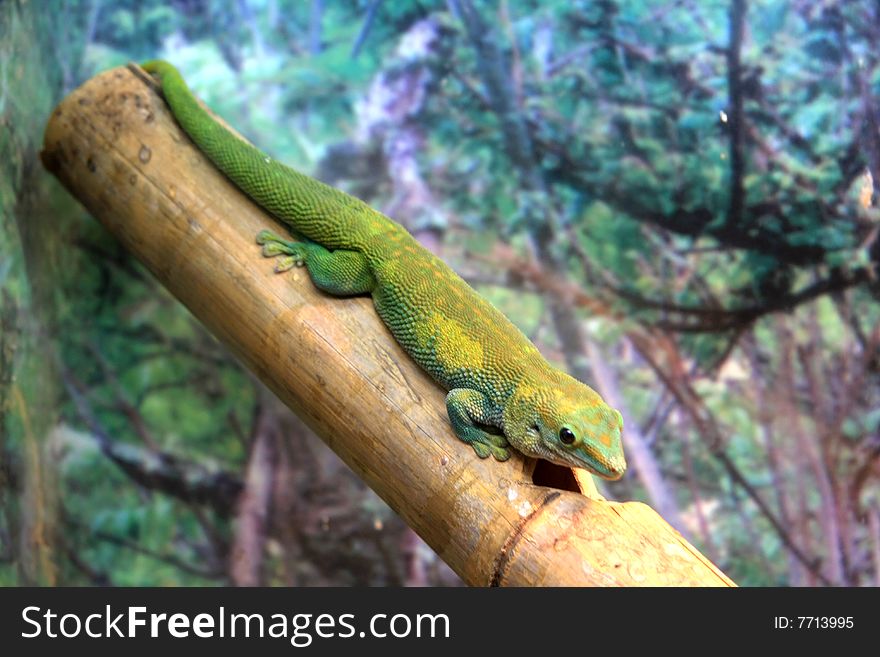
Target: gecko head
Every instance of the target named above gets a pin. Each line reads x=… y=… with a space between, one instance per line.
x=570 y=425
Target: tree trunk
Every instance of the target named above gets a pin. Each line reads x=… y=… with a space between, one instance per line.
x=32 y=230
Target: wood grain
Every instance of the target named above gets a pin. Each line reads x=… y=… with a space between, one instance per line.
x=114 y=145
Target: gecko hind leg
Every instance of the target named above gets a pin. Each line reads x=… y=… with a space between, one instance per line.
x=340 y=273
x=467 y=408
x=274 y=245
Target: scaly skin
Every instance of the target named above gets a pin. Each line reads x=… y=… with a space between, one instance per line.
x=495 y=376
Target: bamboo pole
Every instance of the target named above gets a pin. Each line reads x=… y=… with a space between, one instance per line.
x=114 y=145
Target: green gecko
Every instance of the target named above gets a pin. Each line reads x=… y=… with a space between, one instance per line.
x=501 y=392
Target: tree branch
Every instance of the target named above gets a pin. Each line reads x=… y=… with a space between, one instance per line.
x=154 y=469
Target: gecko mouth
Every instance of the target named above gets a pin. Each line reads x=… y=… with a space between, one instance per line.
x=611 y=470
x=608 y=469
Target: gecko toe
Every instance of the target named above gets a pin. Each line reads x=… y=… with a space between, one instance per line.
x=265 y=236
x=496 y=440
x=500 y=453
x=292 y=253
x=483 y=451
x=286 y=263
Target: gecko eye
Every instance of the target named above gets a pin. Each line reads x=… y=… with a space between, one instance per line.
x=566 y=435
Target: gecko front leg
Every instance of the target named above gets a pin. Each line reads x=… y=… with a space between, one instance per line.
x=466 y=409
